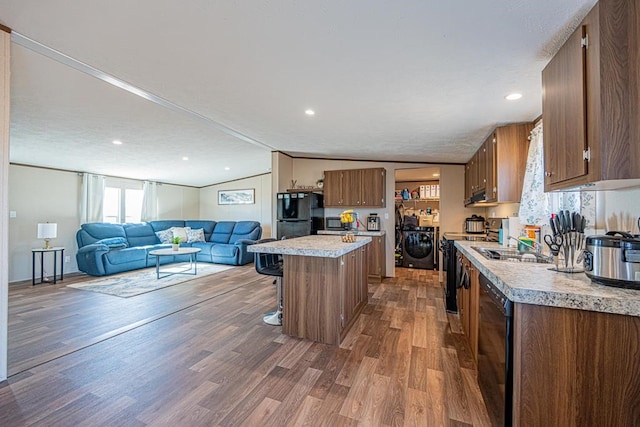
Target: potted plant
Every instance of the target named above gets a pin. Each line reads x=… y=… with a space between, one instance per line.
x=175 y=243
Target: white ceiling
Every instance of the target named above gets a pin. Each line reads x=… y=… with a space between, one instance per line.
x=416 y=80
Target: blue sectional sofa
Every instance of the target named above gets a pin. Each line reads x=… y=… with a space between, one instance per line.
x=105 y=248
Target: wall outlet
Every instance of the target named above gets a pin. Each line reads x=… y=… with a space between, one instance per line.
x=386 y=215
x=67 y=259
x=12 y=214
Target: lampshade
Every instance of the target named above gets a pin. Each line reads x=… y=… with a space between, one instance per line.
x=47 y=231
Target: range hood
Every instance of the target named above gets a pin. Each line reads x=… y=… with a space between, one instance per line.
x=479 y=200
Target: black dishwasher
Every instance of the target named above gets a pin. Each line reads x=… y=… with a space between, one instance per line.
x=495 y=353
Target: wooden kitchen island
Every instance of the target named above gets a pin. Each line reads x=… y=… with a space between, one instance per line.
x=324 y=285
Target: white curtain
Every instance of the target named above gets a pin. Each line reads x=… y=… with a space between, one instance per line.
x=149 y=201
x=91 y=198
x=535 y=206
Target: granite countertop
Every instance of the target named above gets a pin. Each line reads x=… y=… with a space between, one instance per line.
x=532 y=283
x=316 y=246
x=357 y=233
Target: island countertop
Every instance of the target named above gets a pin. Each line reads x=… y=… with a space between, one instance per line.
x=532 y=283
x=356 y=232
x=314 y=246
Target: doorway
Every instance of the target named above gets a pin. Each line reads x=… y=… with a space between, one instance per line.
x=417 y=217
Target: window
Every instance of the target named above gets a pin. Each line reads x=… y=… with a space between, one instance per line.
x=122 y=202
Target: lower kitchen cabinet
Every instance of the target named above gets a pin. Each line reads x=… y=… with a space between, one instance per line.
x=324 y=296
x=575 y=367
x=376 y=257
x=354 y=291
x=468 y=304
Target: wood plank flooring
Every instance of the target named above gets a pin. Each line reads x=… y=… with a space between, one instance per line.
x=198 y=354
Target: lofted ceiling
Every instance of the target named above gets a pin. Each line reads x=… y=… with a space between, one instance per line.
x=229 y=81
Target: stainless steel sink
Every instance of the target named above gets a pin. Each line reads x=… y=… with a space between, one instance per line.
x=508 y=254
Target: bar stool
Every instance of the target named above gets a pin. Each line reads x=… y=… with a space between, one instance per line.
x=271 y=265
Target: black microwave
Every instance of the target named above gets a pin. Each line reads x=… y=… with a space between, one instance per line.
x=333 y=223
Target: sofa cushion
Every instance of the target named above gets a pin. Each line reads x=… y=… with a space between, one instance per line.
x=140 y=234
x=180 y=232
x=222 y=232
x=166 y=224
x=165 y=236
x=227 y=251
x=196 y=235
x=123 y=256
x=93 y=231
x=114 y=242
x=249 y=230
x=206 y=225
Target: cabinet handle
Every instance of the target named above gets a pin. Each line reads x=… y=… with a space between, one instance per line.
x=548 y=174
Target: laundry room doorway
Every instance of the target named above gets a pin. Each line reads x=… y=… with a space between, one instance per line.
x=417 y=217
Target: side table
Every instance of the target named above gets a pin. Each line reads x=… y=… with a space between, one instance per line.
x=42 y=251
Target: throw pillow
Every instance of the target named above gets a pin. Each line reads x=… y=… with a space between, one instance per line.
x=195 y=235
x=180 y=232
x=114 y=242
x=165 y=236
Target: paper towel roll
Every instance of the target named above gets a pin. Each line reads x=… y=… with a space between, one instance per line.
x=505 y=232
x=514 y=230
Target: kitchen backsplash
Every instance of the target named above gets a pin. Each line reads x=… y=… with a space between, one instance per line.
x=613 y=210
x=618 y=210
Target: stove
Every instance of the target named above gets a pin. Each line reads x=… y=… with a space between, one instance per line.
x=449 y=259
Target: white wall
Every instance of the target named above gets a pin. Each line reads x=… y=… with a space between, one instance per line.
x=178 y=202
x=258 y=211
x=40 y=195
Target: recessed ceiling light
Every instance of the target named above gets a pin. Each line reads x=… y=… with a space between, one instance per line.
x=309 y=112
x=227 y=168
x=185 y=158
x=513 y=96
x=116 y=142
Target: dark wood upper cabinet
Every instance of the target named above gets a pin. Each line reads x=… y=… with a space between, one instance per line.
x=591 y=102
x=510 y=160
x=490 y=168
x=355 y=188
x=332 y=188
x=564 y=105
x=497 y=168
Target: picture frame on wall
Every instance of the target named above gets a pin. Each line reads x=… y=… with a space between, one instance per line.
x=236 y=197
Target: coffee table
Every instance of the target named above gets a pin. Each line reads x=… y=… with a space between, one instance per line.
x=193 y=261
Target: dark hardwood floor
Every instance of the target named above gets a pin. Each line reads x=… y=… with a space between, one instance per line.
x=198 y=354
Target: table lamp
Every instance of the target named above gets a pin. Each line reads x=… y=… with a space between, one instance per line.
x=47 y=232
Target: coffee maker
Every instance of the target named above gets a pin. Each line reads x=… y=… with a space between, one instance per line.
x=373 y=222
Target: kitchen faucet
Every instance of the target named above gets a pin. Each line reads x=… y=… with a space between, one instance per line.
x=537 y=247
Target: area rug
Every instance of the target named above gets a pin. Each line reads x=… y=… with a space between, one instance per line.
x=138 y=282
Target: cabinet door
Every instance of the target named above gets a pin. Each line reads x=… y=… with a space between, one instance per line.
x=355 y=287
x=481 y=160
x=332 y=188
x=363 y=282
x=373 y=187
x=467 y=181
x=512 y=146
x=473 y=310
x=382 y=256
x=351 y=187
x=376 y=259
x=490 y=168
x=474 y=173
x=563 y=109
